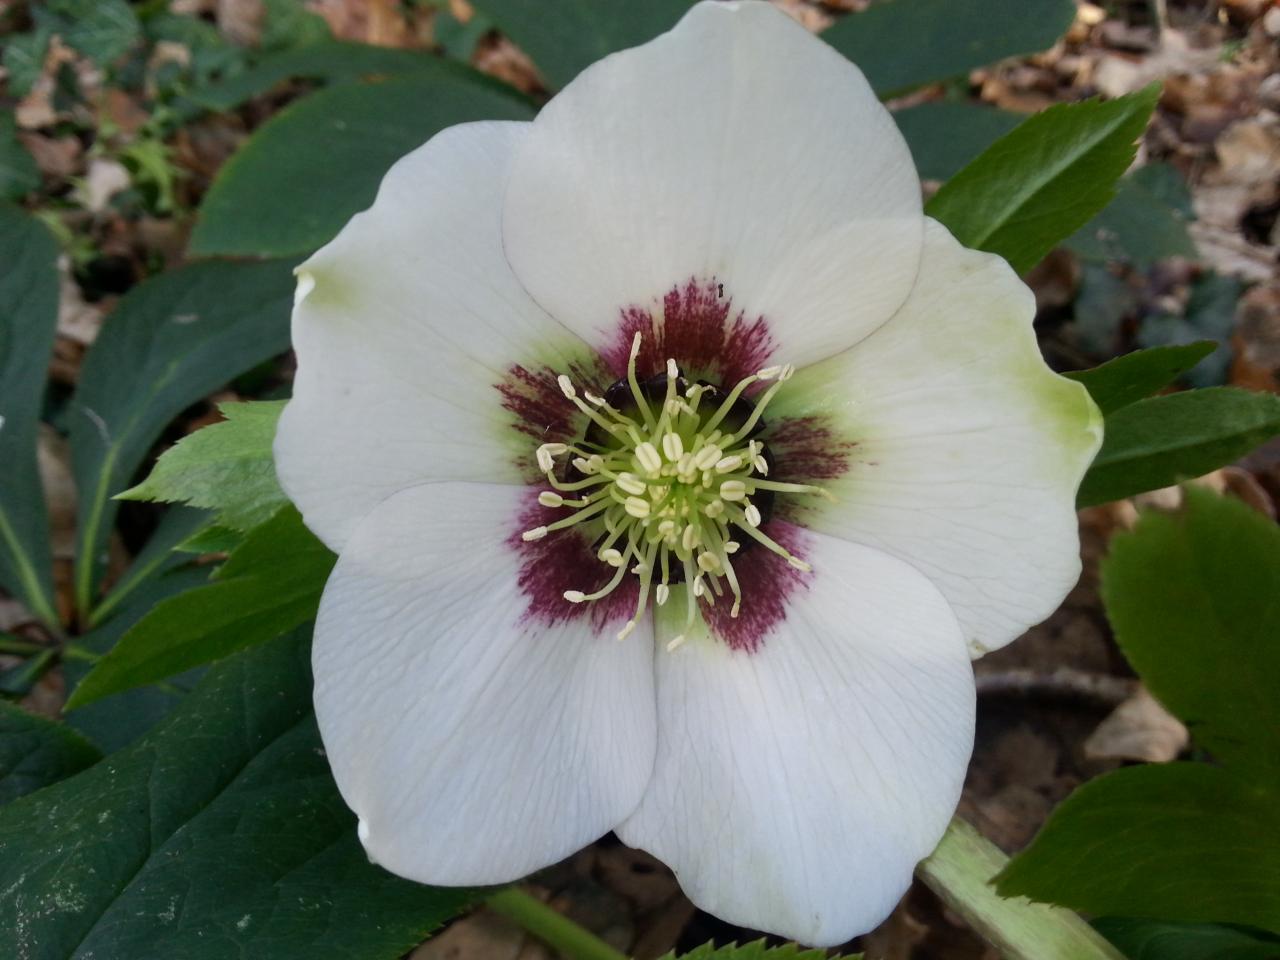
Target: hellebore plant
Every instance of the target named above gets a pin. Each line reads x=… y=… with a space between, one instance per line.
x=677 y=466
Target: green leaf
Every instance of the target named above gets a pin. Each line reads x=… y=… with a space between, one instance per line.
x=566 y=36
x=311 y=167
x=1127 y=379
x=901 y=44
x=24 y=56
x=945 y=135
x=1146 y=222
x=211 y=52
x=220 y=834
x=102 y=30
x=226 y=467
x=171 y=341
x=179 y=525
x=118 y=721
x=1184 y=840
x=1212 y=658
x=213 y=539
x=329 y=61
x=287 y=23
x=1040 y=183
x=758 y=950
x=1158 y=442
x=1162 y=940
x=17 y=681
x=19 y=174
x=35 y=752
x=268 y=586
x=1191 y=841
x=28 y=319
x=1104 y=300
x=1210 y=314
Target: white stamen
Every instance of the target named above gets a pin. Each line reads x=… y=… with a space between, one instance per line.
x=537 y=533
x=575 y=596
x=706 y=458
x=636 y=507
x=675 y=642
x=690 y=538
x=648 y=458
x=612 y=557
x=733 y=490
x=592 y=398
x=753 y=514
x=626 y=631
x=708 y=562
x=547 y=454
x=549 y=498
x=799 y=564
x=732 y=546
x=768 y=373
x=630 y=483
x=672 y=446
x=660 y=593
x=728 y=464
x=673 y=372
x=566 y=386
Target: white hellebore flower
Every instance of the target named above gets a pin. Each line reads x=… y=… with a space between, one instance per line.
x=680 y=364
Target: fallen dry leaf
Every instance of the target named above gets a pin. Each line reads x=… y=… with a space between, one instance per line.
x=1138 y=729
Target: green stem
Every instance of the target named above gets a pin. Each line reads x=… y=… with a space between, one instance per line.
x=551 y=927
x=18 y=648
x=960 y=872
x=34 y=589
x=73 y=651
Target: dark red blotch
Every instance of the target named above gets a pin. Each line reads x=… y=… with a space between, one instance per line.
x=699 y=329
x=563 y=560
x=768 y=582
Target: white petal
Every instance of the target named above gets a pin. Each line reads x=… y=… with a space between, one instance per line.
x=968 y=450
x=797 y=786
x=737 y=147
x=404 y=326
x=475 y=742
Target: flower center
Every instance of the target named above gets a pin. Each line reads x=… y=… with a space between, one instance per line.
x=670 y=483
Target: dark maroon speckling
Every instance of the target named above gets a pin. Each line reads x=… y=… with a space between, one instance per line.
x=806 y=449
x=563 y=560
x=697 y=328
x=767 y=582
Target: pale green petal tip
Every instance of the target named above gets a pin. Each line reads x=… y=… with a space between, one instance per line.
x=1077 y=419
x=306 y=284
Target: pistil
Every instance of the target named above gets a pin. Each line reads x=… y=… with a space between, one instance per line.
x=671 y=488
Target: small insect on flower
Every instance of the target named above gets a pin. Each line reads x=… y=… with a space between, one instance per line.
x=677 y=466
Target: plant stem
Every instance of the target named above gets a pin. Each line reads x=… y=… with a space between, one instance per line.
x=552 y=927
x=960 y=872
x=21 y=648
